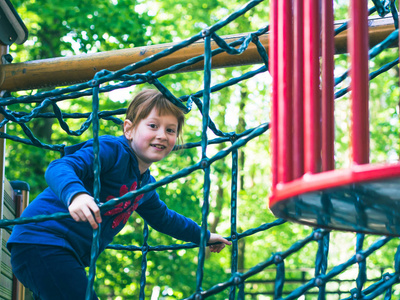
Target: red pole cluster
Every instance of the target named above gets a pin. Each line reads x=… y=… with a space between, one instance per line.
x=302 y=66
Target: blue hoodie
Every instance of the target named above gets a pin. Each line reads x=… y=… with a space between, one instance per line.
x=73 y=174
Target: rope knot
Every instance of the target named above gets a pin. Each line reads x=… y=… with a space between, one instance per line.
x=149 y=77
x=233 y=137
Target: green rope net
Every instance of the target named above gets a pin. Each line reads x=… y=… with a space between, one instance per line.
x=127 y=77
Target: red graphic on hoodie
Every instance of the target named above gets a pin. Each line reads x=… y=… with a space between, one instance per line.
x=127 y=208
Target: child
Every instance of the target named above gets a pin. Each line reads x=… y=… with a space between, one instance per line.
x=50 y=257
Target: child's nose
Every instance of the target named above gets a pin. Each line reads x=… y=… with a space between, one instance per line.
x=162 y=134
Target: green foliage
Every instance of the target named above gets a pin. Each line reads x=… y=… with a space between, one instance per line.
x=61 y=28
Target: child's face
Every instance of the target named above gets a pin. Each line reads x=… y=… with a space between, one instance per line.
x=153 y=138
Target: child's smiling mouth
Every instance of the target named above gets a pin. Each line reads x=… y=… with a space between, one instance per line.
x=158 y=146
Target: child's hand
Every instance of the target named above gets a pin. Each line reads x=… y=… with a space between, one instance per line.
x=84 y=209
x=215 y=238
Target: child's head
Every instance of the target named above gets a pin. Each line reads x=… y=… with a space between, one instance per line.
x=145 y=101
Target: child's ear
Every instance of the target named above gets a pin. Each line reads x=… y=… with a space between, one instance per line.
x=128 y=126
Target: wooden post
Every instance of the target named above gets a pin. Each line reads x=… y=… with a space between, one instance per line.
x=20 y=200
x=3 y=51
x=11 y=205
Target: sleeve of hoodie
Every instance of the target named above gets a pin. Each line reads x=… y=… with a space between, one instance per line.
x=66 y=176
x=161 y=218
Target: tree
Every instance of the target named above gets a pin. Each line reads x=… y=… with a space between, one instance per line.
x=60 y=28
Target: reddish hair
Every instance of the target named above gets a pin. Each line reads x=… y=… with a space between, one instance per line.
x=146 y=100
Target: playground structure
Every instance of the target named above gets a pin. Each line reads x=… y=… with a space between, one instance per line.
x=288 y=187
x=306 y=186
x=14 y=195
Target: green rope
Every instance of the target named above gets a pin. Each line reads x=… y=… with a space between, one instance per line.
x=126 y=77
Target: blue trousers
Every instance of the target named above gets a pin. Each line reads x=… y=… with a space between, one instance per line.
x=49 y=272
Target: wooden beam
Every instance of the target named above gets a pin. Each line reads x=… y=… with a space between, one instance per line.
x=63 y=71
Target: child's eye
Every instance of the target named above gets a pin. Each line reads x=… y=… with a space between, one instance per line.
x=152 y=125
x=171 y=130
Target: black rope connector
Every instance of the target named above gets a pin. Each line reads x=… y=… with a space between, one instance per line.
x=198 y=296
x=204 y=163
x=145 y=248
x=7 y=59
x=386 y=277
x=93 y=83
x=317 y=235
x=356 y=294
x=237 y=280
x=254 y=38
x=359 y=257
x=318 y=281
x=205 y=32
x=233 y=237
x=233 y=137
x=278 y=258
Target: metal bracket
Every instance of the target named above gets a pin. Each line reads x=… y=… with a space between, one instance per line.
x=12 y=28
x=6 y=59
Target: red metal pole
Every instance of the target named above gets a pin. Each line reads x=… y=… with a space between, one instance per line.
x=298 y=83
x=274 y=110
x=358 y=49
x=328 y=120
x=285 y=90
x=312 y=113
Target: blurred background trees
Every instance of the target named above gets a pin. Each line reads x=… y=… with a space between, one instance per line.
x=66 y=28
